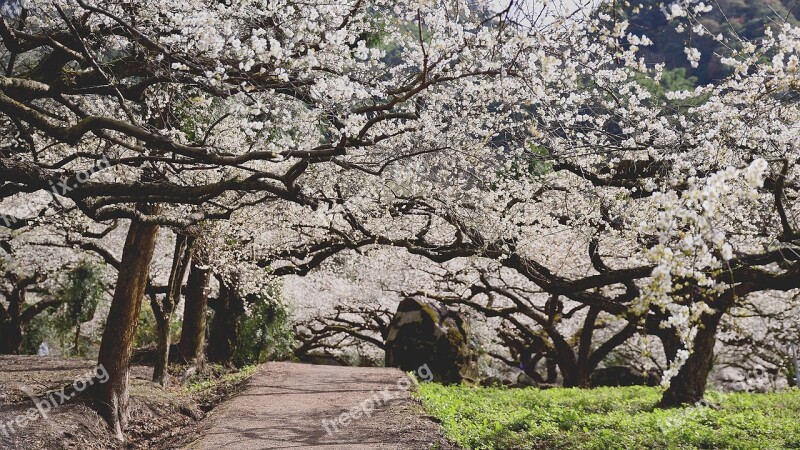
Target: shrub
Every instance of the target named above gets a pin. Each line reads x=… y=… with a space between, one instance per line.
x=80 y=292
x=266 y=332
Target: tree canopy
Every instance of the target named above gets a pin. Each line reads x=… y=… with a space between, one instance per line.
x=544 y=170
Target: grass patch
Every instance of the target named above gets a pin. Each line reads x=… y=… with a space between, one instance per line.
x=610 y=418
x=217 y=383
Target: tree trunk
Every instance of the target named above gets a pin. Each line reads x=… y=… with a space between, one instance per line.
x=572 y=375
x=111 y=398
x=565 y=358
x=552 y=369
x=11 y=323
x=180 y=262
x=77 y=342
x=668 y=335
x=584 y=365
x=162 y=348
x=190 y=347
x=671 y=343
x=10 y=337
x=689 y=385
x=530 y=367
x=224 y=335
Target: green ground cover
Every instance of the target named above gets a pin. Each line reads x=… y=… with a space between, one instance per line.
x=610 y=418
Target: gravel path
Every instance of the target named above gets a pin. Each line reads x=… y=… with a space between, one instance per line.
x=285 y=404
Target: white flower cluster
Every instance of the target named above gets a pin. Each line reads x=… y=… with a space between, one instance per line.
x=692 y=246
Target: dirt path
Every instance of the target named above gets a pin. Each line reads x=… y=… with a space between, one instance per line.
x=285 y=404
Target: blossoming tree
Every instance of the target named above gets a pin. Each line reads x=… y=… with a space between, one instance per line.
x=432 y=126
x=684 y=200
x=203 y=107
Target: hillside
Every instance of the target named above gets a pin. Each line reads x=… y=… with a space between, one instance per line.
x=736 y=19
